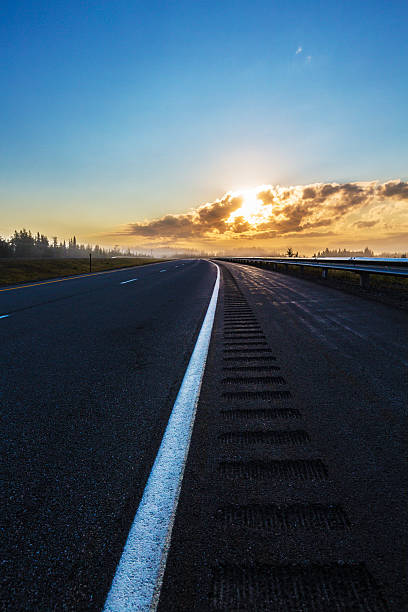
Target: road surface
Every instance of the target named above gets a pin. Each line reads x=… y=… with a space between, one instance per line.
x=294 y=493
x=294 y=496
x=89 y=372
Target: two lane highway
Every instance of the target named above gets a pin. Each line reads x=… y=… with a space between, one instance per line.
x=294 y=489
x=90 y=368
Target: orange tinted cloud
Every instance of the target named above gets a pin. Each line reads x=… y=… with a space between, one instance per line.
x=273 y=211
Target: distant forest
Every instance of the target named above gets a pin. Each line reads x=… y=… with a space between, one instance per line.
x=346 y=253
x=25 y=244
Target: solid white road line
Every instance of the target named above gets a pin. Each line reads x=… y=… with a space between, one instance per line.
x=4 y=316
x=128 y=281
x=163 y=270
x=139 y=575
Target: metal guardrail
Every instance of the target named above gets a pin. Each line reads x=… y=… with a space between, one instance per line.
x=364 y=266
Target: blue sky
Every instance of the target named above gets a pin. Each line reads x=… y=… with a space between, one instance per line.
x=119 y=111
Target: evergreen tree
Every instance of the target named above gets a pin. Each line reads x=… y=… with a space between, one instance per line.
x=5 y=248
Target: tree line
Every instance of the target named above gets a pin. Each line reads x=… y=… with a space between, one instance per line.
x=25 y=244
x=363 y=253
x=346 y=253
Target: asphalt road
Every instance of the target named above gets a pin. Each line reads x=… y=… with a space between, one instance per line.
x=294 y=493
x=89 y=372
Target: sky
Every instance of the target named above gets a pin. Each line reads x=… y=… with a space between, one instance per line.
x=123 y=120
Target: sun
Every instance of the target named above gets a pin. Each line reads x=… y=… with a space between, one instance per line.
x=252 y=210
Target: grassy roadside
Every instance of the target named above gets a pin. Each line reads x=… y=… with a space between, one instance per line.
x=15 y=271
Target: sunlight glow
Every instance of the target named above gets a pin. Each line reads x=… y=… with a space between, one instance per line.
x=253 y=210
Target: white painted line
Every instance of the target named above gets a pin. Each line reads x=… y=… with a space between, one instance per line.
x=139 y=575
x=128 y=281
x=163 y=270
x=4 y=316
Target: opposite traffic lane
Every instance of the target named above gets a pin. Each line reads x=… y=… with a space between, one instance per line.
x=15 y=298
x=90 y=368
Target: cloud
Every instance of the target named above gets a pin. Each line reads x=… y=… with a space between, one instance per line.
x=274 y=211
x=394 y=189
x=308 y=59
x=206 y=220
x=299 y=50
x=365 y=224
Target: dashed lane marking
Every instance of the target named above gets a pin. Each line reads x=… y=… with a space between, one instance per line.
x=67 y=278
x=132 y=280
x=139 y=575
x=4 y=316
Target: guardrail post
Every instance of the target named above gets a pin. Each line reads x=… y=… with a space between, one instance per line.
x=364 y=280
x=286 y=267
x=275 y=267
x=325 y=273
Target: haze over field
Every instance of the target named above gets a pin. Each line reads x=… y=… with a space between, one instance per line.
x=211 y=126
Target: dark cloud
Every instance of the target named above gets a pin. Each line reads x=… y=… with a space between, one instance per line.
x=364 y=224
x=208 y=219
x=311 y=234
x=281 y=211
x=170 y=225
x=394 y=189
